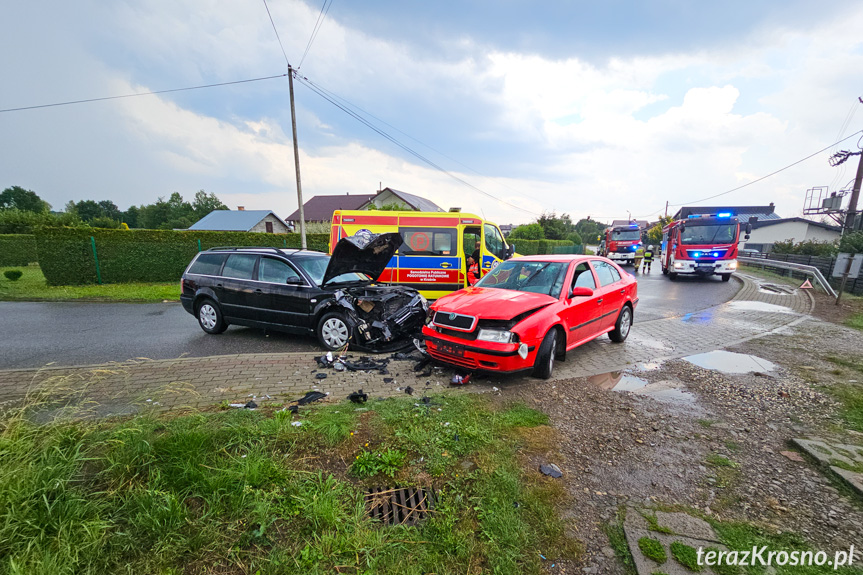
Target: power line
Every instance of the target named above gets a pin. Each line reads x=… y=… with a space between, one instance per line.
x=69 y=103
x=273 y=24
x=770 y=174
x=404 y=147
x=324 y=10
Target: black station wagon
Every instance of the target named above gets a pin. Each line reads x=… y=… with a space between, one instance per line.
x=306 y=292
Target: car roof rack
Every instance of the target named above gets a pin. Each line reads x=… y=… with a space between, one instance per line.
x=237 y=248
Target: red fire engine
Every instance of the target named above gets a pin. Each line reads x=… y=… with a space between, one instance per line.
x=619 y=243
x=702 y=244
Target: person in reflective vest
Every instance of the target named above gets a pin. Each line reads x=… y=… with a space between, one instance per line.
x=648 y=259
x=639 y=253
x=473 y=273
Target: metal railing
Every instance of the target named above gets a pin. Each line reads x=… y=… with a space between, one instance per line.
x=811 y=270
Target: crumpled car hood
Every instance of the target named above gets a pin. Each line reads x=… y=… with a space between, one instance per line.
x=492 y=303
x=363 y=253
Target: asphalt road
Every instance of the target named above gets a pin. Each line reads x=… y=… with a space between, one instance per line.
x=38 y=334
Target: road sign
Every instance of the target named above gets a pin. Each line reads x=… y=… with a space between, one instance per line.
x=842 y=265
x=806 y=285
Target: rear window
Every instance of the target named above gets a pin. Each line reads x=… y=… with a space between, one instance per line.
x=208 y=264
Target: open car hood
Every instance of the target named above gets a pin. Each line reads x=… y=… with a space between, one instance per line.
x=364 y=253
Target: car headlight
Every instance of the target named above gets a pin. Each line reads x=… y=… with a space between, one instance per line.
x=495 y=335
x=678 y=265
x=732 y=265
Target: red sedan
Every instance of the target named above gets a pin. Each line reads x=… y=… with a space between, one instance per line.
x=529 y=311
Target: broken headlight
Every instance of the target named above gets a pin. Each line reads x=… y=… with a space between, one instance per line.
x=496 y=335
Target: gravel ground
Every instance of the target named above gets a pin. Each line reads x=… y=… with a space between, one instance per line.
x=706 y=440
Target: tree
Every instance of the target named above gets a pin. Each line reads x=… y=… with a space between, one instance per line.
x=654 y=234
x=532 y=231
x=18 y=198
x=205 y=203
x=130 y=216
x=575 y=238
x=87 y=210
x=555 y=228
x=851 y=242
x=391 y=207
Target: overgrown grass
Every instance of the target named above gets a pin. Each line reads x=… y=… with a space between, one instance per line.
x=246 y=491
x=32 y=287
x=849 y=394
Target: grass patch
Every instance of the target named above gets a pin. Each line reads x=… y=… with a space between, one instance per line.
x=245 y=491
x=855 y=321
x=617 y=540
x=858 y=468
x=732 y=446
x=706 y=423
x=717 y=460
x=653 y=549
x=685 y=555
x=32 y=287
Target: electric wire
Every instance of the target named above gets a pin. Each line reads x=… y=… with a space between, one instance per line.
x=273 y=24
x=369 y=114
x=404 y=147
x=153 y=93
x=324 y=10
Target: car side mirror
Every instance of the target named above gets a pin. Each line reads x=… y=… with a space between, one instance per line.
x=294 y=281
x=581 y=291
x=746 y=237
x=682 y=228
x=748 y=229
x=510 y=251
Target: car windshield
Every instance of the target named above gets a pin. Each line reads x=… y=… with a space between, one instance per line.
x=625 y=235
x=527 y=276
x=695 y=235
x=316 y=267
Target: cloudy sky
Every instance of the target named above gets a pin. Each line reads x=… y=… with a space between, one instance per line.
x=504 y=108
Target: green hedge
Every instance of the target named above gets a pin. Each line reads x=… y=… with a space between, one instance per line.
x=66 y=254
x=17 y=249
x=537 y=247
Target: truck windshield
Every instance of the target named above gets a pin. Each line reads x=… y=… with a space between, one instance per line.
x=700 y=235
x=529 y=276
x=625 y=235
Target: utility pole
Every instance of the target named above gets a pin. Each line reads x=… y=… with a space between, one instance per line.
x=851 y=216
x=666 y=208
x=297 y=160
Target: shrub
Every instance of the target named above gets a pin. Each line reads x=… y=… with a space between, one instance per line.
x=13 y=275
x=851 y=243
x=536 y=247
x=17 y=249
x=806 y=248
x=66 y=254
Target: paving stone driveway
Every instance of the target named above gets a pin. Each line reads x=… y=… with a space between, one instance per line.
x=201 y=382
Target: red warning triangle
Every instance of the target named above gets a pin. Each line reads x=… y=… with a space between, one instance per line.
x=806 y=285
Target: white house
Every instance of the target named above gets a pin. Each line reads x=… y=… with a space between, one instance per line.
x=767 y=232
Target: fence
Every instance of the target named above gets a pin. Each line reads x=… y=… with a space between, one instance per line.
x=823 y=264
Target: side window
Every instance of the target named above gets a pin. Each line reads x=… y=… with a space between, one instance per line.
x=583 y=277
x=275 y=271
x=239 y=266
x=208 y=264
x=494 y=241
x=428 y=241
x=603 y=272
x=614 y=273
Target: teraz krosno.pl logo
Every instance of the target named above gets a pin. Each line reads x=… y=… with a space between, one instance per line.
x=765 y=557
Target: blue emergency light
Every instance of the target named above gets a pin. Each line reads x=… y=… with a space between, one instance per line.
x=724 y=215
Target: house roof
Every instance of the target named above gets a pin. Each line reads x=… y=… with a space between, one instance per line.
x=416 y=202
x=232 y=221
x=743 y=213
x=321 y=208
x=764 y=224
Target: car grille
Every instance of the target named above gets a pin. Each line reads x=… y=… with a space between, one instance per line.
x=454 y=320
x=467 y=362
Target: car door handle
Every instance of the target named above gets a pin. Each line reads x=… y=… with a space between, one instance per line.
x=623 y=291
x=218 y=285
x=259 y=291
x=599 y=300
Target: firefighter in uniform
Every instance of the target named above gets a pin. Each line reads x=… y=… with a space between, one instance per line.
x=648 y=259
x=639 y=253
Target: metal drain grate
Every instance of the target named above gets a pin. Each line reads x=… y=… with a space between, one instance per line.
x=399 y=506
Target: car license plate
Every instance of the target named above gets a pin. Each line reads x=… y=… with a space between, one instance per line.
x=448 y=349
x=707 y=268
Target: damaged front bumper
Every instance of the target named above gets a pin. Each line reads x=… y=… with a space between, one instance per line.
x=382 y=319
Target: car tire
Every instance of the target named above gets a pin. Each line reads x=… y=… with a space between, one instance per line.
x=726 y=277
x=623 y=325
x=210 y=317
x=665 y=271
x=672 y=276
x=544 y=363
x=333 y=331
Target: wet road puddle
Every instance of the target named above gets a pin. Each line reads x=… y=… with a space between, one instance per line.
x=759 y=306
x=664 y=391
x=730 y=362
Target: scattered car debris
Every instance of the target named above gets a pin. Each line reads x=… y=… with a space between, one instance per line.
x=551 y=470
x=388 y=380
x=251 y=404
x=460 y=379
x=310 y=397
x=422 y=364
x=339 y=367
x=359 y=397
x=296 y=423
x=367 y=364
x=409 y=390
x=320 y=376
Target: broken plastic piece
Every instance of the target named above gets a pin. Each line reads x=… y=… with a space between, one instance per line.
x=339 y=367
x=250 y=404
x=409 y=390
x=422 y=364
x=293 y=409
x=359 y=397
x=296 y=423
x=320 y=376
x=310 y=397
x=388 y=380
x=460 y=379
x=551 y=470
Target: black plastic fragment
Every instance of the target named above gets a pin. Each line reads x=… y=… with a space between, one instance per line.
x=359 y=397
x=310 y=397
x=320 y=376
x=409 y=390
x=551 y=470
x=251 y=404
